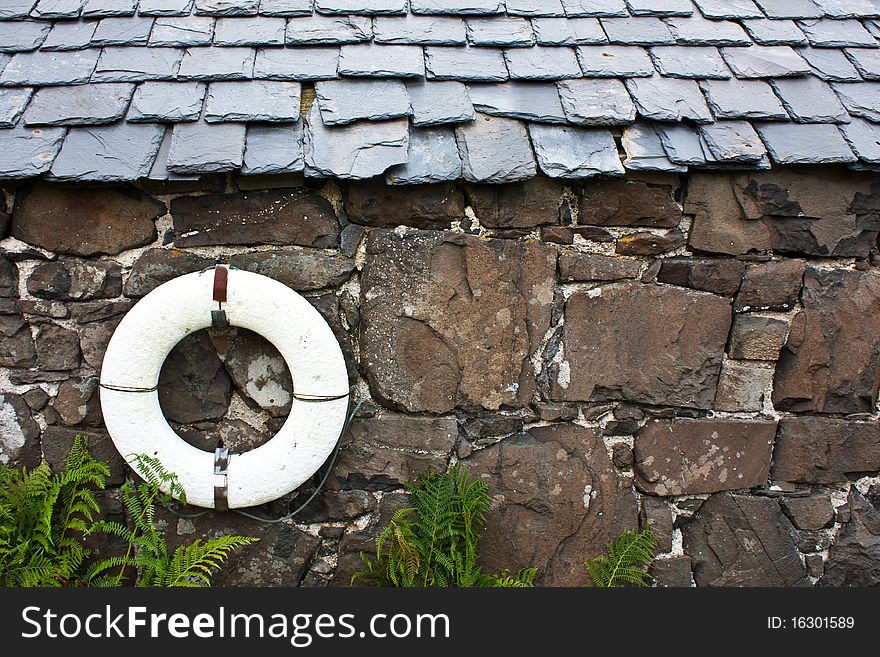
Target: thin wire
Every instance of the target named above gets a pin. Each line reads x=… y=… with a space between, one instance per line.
x=108 y=386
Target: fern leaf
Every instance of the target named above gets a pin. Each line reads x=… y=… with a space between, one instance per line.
x=626 y=562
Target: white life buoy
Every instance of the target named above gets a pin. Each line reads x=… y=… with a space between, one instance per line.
x=148 y=332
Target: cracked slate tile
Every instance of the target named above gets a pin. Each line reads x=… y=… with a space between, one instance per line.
x=420 y=30
x=615 y=61
x=465 y=7
x=432 y=158
x=864 y=138
x=50 y=68
x=365 y=7
x=111 y=153
x=27 y=152
x=347 y=101
x=167 y=102
x=226 y=7
x=594 y=102
x=469 y=64
x=644 y=150
x=573 y=152
x=122 y=32
x=682 y=143
x=286 y=7
x=519 y=100
x=12 y=103
x=799 y=143
x=509 y=32
x=733 y=141
x=104 y=8
x=765 y=62
x=535 y=8
x=93 y=104
x=825 y=33
x=790 y=8
x=861 y=99
x=253 y=100
x=121 y=64
x=697 y=62
x=382 y=61
x=70 y=35
x=273 y=149
x=728 y=9
x=542 y=63
x=16 y=9
x=251 y=31
x=165 y=7
x=198 y=148
x=318 y=29
x=303 y=64
x=577 y=8
x=830 y=64
x=669 y=99
x=767 y=32
x=698 y=31
x=637 y=31
x=57 y=9
x=437 y=102
x=183 y=32
x=21 y=36
x=866 y=60
x=660 y=7
x=228 y=63
x=810 y=100
x=353 y=152
x=743 y=99
x=568 y=31
x=494 y=149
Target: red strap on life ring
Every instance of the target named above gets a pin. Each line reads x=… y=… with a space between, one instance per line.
x=221 y=276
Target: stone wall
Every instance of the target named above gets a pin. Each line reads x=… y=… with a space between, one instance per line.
x=698 y=353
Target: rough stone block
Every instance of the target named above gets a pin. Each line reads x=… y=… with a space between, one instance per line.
x=520 y=205
x=19 y=433
x=757 y=338
x=771 y=286
x=373 y=203
x=719 y=276
x=590 y=267
x=625 y=203
x=742 y=386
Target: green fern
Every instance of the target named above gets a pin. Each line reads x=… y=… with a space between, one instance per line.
x=627 y=560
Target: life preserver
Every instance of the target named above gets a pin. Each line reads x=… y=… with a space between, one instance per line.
x=148 y=332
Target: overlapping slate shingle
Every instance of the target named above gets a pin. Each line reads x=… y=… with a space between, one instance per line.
x=810 y=100
x=733 y=141
x=111 y=153
x=365 y=7
x=50 y=68
x=535 y=8
x=217 y=64
x=793 y=143
x=303 y=64
x=183 y=32
x=682 y=143
x=728 y=9
x=318 y=29
x=596 y=102
x=790 y=8
x=864 y=139
x=469 y=63
x=660 y=7
x=637 y=31
x=93 y=104
x=860 y=99
x=104 y=8
x=577 y=8
x=22 y=35
x=568 y=31
x=432 y=157
x=615 y=61
x=700 y=63
x=466 y=7
x=286 y=7
x=494 y=149
x=775 y=32
x=697 y=31
x=830 y=64
x=519 y=100
x=392 y=61
x=164 y=7
x=507 y=32
x=539 y=64
x=252 y=100
x=825 y=33
x=27 y=152
x=420 y=30
x=574 y=152
x=347 y=101
x=743 y=99
x=765 y=62
x=16 y=9
x=271 y=149
x=70 y=35
x=866 y=60
x=12 y=103
x=644 y=150
x=121 y=64
x=169 y=102
x=438 y=102
x=226 y=7
x=123 y=31
x=669 y=99
x=251 y=31
x=200 y=147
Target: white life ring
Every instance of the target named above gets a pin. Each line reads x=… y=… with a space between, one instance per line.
x=148 y=332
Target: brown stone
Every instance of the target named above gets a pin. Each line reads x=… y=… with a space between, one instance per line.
x=686 y=457
x=854 y=557
x=373 y=203
x=36 y=399
x=622 y=455
x=78 y=402
x=363 y=541
x=815 y=564
x=96 y=311
x=294 y=216
x=43 y=308
x=816 y=450
x=75 y=280
x=193 y=384
x=57 y=348
x=737 y=540
x=674 y=572
x=809 y=513
x=625 y=203
x=557 y=502
x=8 y=278
x=299 y=269
x=157 y=266
x=85 y=221
x=590 y=267
x=212 y=182
x=771 y=286
x=754 y=337
x=642 y=343
x=657 y=515
x=831 y=360
x=741 y=387
x=338 y=505
x=17 y=344
x=645 y=243
x=526 y=204
x=555 y=412
x=19 y=433
x=58 y=440
x=451 y=320
x=94 y=338
x=717 y=275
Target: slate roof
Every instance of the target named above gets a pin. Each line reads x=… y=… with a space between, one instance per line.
x=433 y=90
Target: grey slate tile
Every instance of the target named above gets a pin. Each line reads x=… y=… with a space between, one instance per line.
x=499 y=31
x=826 y=33
x=465 y=7
x=273 y=149
x=695 y=62
x=70 y=35
x=864 y=138
x=92 y=104
x=12 y=103
x=743 y=99
x=4 y=60
x=519 y=100
x=615 y=61
x=568 y=31
x=27 y=152
x=494 y=149
x=637 y=31
x=435 y=102
x=226 y=7
x=318 y=29
x=830 y=64
x=286 y=7
x=660 y=7
x=57 y=9
x=112 y=153
x=767 y=32
x=810 y=100
x=682 y=143
x=250 y=31
x=353 y=152
x=728 y=9
x=733 y=141
x=698 y=31
x=382 y=61
x=365 y=7
x=866 y=60
x=16 y=9
x=253 y=100
x=576 y=8
x=49 y=68
x=873 y=27
x=170 y=102
x=347 y=101
x=200 y=147
x=216 y=64
x=164 y=7
x=420 y=30
x=542 y=63
x=861 y=99
x=535 y=8
x=102 y=8
x=160 y=171
x=596 y=102
x=303 y=64
x=644 y=150
x=121 y=64
x=848 y=8
x=183 y=32
x=432 y=158
x=790 y=8
x=572 y=152
x=20 y=36
x=669 y=99
x=765 y=62
x=793 y=143
x=123 y=32
x=456 y=63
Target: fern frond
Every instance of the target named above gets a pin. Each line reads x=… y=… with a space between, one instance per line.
x=626 y=562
